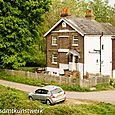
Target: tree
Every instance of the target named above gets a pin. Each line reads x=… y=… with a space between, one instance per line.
x=77 y=8
x=21 y=24
x=103 y=12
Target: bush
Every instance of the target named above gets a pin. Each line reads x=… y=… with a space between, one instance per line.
x=91 y=109
x=66 y=87
x=30 y=81
x=14 y=99
x=70 y=87
x=103 y=86
x=112 y=82
x=19 y=79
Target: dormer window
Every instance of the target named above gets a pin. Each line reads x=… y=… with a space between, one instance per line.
x=54 y=40
x=75 y=41
x=54 y=58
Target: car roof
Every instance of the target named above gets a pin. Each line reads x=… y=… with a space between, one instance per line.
x=50 y=87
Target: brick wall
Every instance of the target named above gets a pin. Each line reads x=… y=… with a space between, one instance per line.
x=113 y=54
x=63 y=43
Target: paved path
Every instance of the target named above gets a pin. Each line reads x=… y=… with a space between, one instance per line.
x=102 y=96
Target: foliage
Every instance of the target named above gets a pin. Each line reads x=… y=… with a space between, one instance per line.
x=21 y=38
x=112 y=82
x=30 y=69
x=91 y=109
x=66 y=87
x=21 y=79
x=105 y=86
x=14 y=99
x=77 y=8
x=72 y=87
x=30 y=81
x=102 y=11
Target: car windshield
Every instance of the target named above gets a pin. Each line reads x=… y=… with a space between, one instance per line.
x=57 y=90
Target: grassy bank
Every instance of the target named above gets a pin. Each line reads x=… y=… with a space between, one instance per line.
x=15 y=99
x=12 y=98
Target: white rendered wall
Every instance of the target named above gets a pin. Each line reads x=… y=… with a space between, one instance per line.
x=91 y=64
x=113 y=74
x=52 y=70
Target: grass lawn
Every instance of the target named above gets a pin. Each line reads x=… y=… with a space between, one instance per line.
x=12 y=98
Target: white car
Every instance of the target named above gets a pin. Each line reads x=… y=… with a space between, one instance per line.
x=49 y=94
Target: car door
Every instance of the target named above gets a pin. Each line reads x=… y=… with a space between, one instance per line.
x=37 y=94
x=44 y=94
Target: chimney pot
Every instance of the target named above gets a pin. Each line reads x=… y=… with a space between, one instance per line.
x=89 y=14
x=65 y=12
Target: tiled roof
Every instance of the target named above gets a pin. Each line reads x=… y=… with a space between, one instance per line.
x=87 y=26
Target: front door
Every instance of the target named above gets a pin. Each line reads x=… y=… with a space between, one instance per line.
x=37 y=94
x=63 y=43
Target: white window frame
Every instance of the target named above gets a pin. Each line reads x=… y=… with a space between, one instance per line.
x=75 y=38
x=54 y=40
x=54 y=56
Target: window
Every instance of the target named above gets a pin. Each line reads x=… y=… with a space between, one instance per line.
x=54 y=58
x=54 y=40
x=38 y=91
x=43 y=91
x=75 y=41
x=57 y=90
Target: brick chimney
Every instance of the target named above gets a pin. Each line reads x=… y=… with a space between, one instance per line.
x=89 y=14
x=65 y=12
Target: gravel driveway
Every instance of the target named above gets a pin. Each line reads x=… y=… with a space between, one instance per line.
x=102 y=96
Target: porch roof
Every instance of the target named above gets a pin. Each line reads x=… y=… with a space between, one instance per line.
x=73 y=52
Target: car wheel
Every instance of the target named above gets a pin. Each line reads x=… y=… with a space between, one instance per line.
x=30 y=98
x=48 y=102
x=64 y=100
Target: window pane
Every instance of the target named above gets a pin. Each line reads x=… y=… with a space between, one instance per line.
x=44 y=91
x=54 y=40
x=75 y=40
x=38 y=91
x=57 y=90
x=54 y=58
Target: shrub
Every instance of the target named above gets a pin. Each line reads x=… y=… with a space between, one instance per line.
x=91 y=109
x=103 y=86
x=112 y=82
x=14 y=99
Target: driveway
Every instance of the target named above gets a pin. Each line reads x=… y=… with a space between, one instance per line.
x=101 y=96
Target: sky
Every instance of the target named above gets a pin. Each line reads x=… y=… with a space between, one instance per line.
x=112 y=2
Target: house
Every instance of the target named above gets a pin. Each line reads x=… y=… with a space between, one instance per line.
x=80 y=44
x=113 y=56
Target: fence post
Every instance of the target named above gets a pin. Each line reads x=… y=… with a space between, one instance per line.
x=81 y=83
x=27 y=73
x=60 y=79
x=36 y=75
x=12 y=72
x=69 y=79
